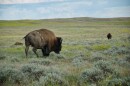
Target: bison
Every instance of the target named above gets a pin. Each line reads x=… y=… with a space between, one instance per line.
x=43 y=39
x=109 y=36
x=18 y=43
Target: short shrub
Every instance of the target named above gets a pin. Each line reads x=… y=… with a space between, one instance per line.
x=28 y=68
x=34 y=62
x=18 y=77
x=2 y=57
x=123 y=50
x=123 y=63
x=57 y=56
x=15 y=59
x=97 y=57
x=61 y=56
x=10 y=74
x=129 y=38
x=92 y=75
x=55 y=70
x=117 y=51
x=3 y=74
x=32 y=71
x=77 y=61
x=52 y=78
x=114 y=60
x=127 y=58
x=127 y=80
x=101 y=70
x=119 y=82
x=111 y=51
x=105 y=66
x=45 y=62
x=115 y=82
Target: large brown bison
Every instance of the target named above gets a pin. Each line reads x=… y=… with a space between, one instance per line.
x=43 y=39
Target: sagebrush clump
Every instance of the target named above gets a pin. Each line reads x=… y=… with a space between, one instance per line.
x=2 y=57
x=117 y=51
x=119 y=82
x=33 y=72
x=92 y=75
x=45 y=62
x=78 y=61
x=96 y=56
x=52 y=79
x=12 y=75
x=105 y=66
x=101 y=70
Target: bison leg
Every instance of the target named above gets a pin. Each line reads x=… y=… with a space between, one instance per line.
x=45 y=51
x=26 y=50
x=34 y=50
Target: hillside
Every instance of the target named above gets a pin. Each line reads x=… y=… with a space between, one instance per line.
x=81 y=21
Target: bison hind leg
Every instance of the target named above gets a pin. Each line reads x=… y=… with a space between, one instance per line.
x=26 y=50
x=34 y=50
x=27 y=44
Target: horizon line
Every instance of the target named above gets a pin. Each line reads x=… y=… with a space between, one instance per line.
x=64 y=18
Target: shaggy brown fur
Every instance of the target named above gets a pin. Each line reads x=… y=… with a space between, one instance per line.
x=43 y=39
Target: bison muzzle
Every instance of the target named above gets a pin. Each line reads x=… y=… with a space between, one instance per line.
x=43 y=39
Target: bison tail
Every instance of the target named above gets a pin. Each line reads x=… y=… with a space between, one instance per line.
x=24 y=37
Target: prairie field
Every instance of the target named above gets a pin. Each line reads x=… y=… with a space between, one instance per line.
x=87 y=57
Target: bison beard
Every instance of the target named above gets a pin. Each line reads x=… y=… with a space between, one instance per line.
x=43 y=39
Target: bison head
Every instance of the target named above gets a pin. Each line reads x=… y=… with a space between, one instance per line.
x=58 y=45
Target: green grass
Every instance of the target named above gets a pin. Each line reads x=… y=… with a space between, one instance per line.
x=100 y=47
x=84 y=44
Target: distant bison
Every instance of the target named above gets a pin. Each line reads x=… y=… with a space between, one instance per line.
x=18 y=43
x=109 y=36
x=43 y=39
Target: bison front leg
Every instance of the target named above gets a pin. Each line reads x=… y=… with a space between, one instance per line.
x=34 y=50
x=45 y=51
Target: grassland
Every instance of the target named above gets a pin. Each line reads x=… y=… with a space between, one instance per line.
x=87 y=58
